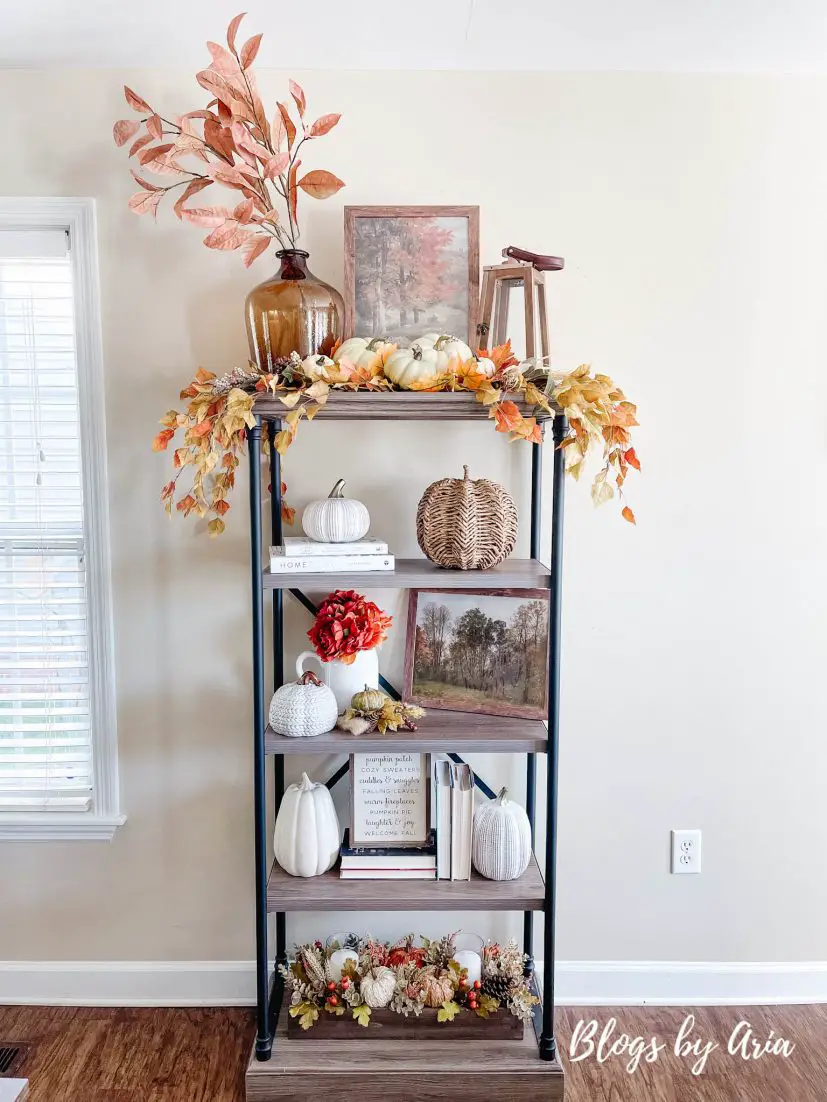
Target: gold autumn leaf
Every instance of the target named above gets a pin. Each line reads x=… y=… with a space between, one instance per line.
x=319 y=391
x=448 y=1011
x=602 y=491
x=311 y=410
x=293 y=417
x=306 y=1012
x=507 y=416
x=290 y=399
x=216 y=527
x=361 y=1014
x=283 y=441
x=159 y=444
x=288 y=513
x=468 y=375
x=536 y=397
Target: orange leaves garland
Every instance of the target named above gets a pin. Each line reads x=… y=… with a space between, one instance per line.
x=233 y=144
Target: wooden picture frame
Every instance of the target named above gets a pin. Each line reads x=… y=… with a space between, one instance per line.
x=531 y=659
x=414 y=313
x=420 y=834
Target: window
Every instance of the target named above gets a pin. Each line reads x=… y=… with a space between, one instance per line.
x=58 y=766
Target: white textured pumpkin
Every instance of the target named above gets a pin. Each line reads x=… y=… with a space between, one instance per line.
x=485 y=366
x=377 y=986
x=317 y=367
x=364 y=352
x=303 y=708
x=413 y=368
x=336 y=519
x=446 y=347
x=501 y=841
x=306 y=842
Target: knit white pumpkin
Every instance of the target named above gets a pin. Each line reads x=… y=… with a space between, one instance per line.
x=501 y=842
x=306 y=841
x=303 y=708
x=336 y=519
x=377 y=986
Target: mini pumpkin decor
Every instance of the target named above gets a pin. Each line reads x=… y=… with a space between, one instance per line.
x=501 y=839
x=466 y=524
x=368 y=700
x=378 y=986
x=336 y=518
x=413 y=368
x=317 y=367
x=437 y=987
x=366 y=353
x=306 y=841
x=303 y=708
x=447 y=348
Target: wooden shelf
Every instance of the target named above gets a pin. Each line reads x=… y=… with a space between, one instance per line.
x=421 y=574
x=437 y=732
x=308 y=1070
x=329 y=892
x=394 y=405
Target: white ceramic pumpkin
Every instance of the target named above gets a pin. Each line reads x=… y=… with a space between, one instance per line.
x=303 y=708
x=306 y=842
x=377 y=986
x=501 y=839
x=485 y=366
x=317 y=367
x=413 y=368
x=446 y=347
x=336 y=519
x=364 y=352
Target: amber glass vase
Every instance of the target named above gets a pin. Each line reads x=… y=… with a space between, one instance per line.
x=292 y=312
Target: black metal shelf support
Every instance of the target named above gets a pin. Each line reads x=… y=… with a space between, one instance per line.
x=268 y=1001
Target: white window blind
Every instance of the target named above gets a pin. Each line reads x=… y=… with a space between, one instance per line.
x=45 y=716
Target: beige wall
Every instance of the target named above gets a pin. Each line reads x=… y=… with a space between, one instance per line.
x=691 y=212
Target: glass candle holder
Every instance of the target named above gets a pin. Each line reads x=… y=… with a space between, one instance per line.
x=345 y=948
x=468 y=955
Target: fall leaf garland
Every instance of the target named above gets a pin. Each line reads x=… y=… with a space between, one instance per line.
x=220 y=410
x=231 y=143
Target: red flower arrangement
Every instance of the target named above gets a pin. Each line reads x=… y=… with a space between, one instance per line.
x=345 y=624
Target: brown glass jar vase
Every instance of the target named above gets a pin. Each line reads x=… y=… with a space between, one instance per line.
x=292 y=312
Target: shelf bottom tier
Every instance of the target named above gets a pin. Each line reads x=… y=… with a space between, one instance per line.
x=427 y=1071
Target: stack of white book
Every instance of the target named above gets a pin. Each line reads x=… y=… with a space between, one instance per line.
x=299 y=555
x=454 y=800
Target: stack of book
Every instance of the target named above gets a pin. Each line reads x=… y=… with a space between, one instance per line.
x=454 y=804
x=388 y=862
x=299 y=555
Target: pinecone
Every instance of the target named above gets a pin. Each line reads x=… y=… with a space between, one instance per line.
x=497 y=986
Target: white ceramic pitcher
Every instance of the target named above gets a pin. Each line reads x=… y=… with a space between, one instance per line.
x=344 y=678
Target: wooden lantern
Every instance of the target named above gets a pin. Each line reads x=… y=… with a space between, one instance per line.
x=520 y=269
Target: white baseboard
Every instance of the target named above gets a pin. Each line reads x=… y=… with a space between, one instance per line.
x=577 y=983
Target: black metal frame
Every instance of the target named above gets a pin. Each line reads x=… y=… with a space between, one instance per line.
x=268 y=999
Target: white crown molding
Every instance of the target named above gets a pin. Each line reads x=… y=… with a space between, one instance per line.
x=578 y=983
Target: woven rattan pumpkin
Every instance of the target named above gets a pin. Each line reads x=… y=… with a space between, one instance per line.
x=466 y=523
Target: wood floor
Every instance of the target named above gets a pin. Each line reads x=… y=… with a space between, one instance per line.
x=108 y=1055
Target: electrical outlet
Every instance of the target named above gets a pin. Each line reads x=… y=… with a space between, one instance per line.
x=686 y=851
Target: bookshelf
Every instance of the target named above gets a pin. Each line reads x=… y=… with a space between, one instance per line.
x=514 y=1070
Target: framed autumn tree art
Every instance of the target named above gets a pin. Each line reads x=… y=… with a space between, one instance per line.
x=484 y=650
x=411 y=270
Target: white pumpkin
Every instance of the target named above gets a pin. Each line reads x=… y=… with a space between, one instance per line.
x=364 y=352
x=501 y=839
x=377 y=986
x=317 y=367
x=336 y=519
x=446 y=347
x=303 y=708
x=306 y=842
x=413 y=368
x=485 y=366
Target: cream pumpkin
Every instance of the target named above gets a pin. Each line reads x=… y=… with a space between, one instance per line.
x=318 y=367
x=367 y=353
x=446 y=347
x=413 y=368
x=303 y=708
x=336 y=519
x=306 y=841
x=501 y=839
x=377 y=986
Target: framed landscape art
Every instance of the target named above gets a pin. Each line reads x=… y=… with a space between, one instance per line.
x=411 y=270
x=478 y=651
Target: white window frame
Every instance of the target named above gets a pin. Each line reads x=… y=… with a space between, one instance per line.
x=77 y=217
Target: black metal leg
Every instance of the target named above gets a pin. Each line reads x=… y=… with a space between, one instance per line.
x=548 y=1047
x=278 y=652
x=264 y=1040
x=531 y=759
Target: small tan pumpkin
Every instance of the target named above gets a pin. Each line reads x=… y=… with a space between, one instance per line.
x=437 y=988
x=368 y=700
x=466 y=524
x=377 y=986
